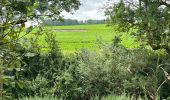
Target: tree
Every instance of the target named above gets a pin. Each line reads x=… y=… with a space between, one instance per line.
x=13 y=16
x=150 y=19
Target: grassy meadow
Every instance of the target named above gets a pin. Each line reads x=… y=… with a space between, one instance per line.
x=75 y=37
x=70 y=41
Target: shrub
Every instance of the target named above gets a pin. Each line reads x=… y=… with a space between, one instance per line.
x=40 y=71
x=40 y=87
x=116 y=69
x=113 y=69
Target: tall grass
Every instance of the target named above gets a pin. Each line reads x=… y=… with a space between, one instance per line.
x=41 y=98
x=114 y=97
x=109 y=97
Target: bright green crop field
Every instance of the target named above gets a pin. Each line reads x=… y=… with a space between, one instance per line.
x=75 y=37
x=83 y=36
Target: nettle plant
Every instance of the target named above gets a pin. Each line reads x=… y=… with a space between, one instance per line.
x=14 y=14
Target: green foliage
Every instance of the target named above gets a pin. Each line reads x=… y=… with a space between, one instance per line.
x=13 y=15
x=149 y=18
x=42 y=70
x=26 y=72
x=115 y=69
x=112 y=70
x=168 y=98
x=39 y=87
x=68 y=85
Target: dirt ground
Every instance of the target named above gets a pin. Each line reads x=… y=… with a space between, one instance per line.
x=69 y=30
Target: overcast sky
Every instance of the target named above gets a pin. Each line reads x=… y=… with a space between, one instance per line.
x=90 y=9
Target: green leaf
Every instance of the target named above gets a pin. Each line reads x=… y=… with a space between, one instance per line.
x=20 y=6
x=20 y=84
x=36 y=5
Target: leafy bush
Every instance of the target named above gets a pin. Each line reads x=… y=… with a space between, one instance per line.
x=115 y=70
x=39 y=87
x=31 y=72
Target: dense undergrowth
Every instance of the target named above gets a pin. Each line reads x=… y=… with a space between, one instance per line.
x=105 y=74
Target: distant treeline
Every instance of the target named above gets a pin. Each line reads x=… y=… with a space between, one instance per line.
x=73 y=22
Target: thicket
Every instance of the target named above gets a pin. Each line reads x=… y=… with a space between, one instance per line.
x=112 y=70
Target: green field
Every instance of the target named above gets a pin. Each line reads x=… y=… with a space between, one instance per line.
x=71 y=41
x=75 y=37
